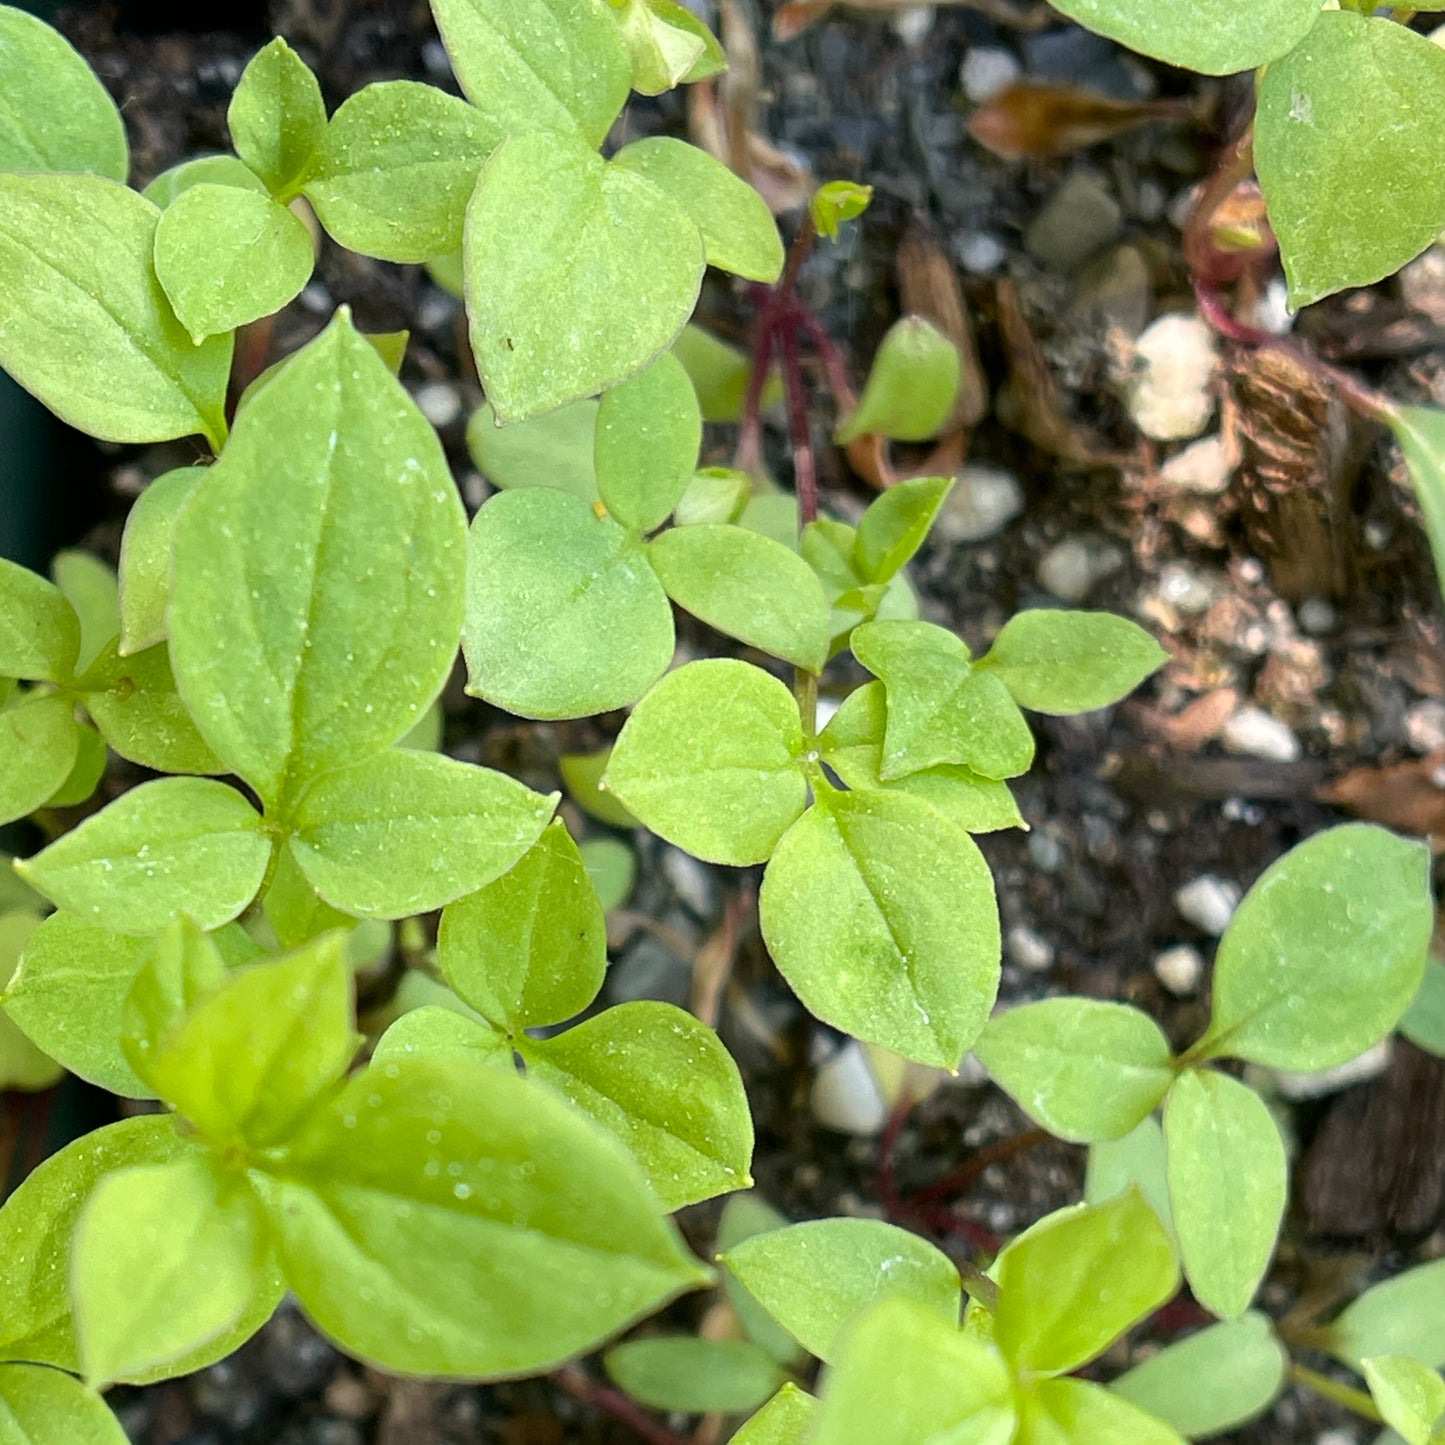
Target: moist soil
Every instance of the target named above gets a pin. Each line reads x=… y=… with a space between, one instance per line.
x=1340 y=649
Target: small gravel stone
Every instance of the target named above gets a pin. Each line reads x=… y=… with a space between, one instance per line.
x=1179 y=969
x=1170 y=396
x=986 y=70
x=316 y=299
x=1045 y=851
x=1115 y=287
x=1029 y=949
x=1336 y=1437
x=1271 y=312
x=984 y=500
x=1071 y=569
x=1425 y=725
x=1368 y=1065
x=979 y=253
x=690 y=880
x=438 y=403
x=1187 y=590
x=845 y=1095
x=1317 y=616
x=1076 y=222
x=650 y=970
x=1208 y=903
x=1257 y=734
x=912 y=25
x=1202 y=467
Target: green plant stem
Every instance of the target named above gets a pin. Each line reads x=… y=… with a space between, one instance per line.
x=805 y=689
x=1346 y=1395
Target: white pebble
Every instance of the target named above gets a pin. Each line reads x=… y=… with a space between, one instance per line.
x=845 y=1095
x=1071 y=569
x=1339 y=1437
x=1257 y=734
x=1317 y=616
x=1179 y=969
x=1208 y=903
x=984 y=500
x=1270 y=311
x=1425 y=725
x=986 y=70
x=1203 y=467
x=912 y=25
x=1029 y=949
x=690 y=880
x=1368 y=1065
x=979 y=253
x=438 y=403
x=1186 y=590
x=1171 y=394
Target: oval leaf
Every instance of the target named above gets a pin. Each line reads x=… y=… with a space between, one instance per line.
x=1325 y=953
x=911 y=387
x=36 y=1403
x=708 y=760
x=39 y=629
x=1227 y=1186
x=276 y=117
x=663 y=1083
x=881 y=916
x=682 y=1372
x=552 y=450
x=145 y=558
x=564 y=615
x=1400 y=1316
x=39 y=742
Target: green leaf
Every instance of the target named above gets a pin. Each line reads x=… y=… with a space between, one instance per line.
x=58 y=116
x=85 y=773
x=553 y=450
x=1213 y=1380
x=816 y=1278
x=668 y=45
x=90 y=588
x=1217 y=37
x=708 y=760
x=738 y=231
x=276 y=117
x=1354 y=191
x=178 y=845
x=166 y=1259
x=593 y=273
x=748 y=587
x=663 y=1084
x=715 y=494
x=582 y=776
x=1411 y=1396
x=85 y=325
x=564 y=615
x=745 y=1215
x=1227 y=1186
x=434 y=1031
x=835 y=202
x=449 y=1220
x=182 y=968
x=39 y=742
x=1068 y=662
x=719 y=373
x=648 y=433
x=784 y=1420
x=1420 y=430
x=530 y=948
x=612 y=867
x=911 y=386
x=39 y=631
x=252 y=1059
x=216 y=170
x=906 y=1377
x=227 y=257
x=683 y=1372
x=1076 y=1412
x=145 y=558
x=396 y=168
x=1404 y=1315
x=291 y=657
x=1071 y=1285
x=1325 y=953
x=141 y=715
x=22 y=1064
x=852 y=746
x=547 y=65
x=895 y=524
x=881 y=916
x=35 y=1402
x=941 y=709
x=38 y=1220
x=1424 y=1023
x=294 y=909
x=405 y=832
x=1084 y=1069
x=1137 y=1159
x=68 y=995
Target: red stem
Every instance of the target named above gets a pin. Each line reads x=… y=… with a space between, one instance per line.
x=805 y=466
x=577 y=1383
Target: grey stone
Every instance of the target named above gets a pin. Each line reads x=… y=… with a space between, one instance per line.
x=1115 y=287
x=1257 y=734
x=1078 y=221
x=1208 y=903
x=986 y=70
x=1179 y=969
x=984 y=500
x=1071 y=569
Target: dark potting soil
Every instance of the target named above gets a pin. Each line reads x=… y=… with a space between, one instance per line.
x=1185 y=787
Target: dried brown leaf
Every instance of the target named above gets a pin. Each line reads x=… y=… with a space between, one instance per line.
x=1032 y=120
x=1408 y=797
